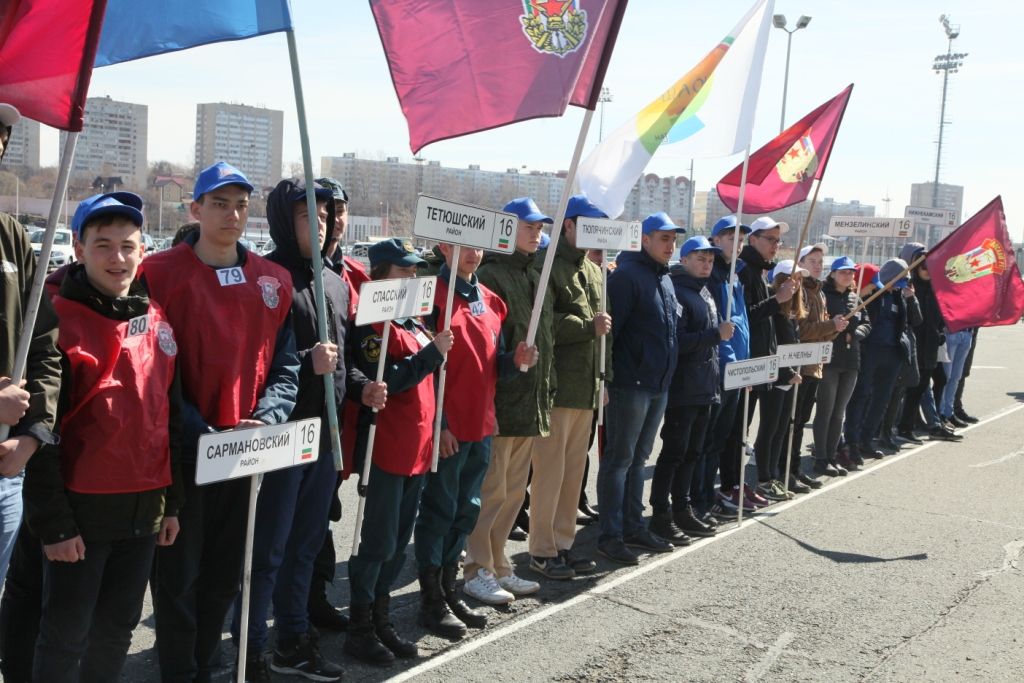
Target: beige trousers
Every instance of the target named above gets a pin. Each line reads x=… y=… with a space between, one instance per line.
x=501 y=496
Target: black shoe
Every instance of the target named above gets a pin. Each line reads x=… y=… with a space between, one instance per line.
x=908 y=436
x=647 y=540
x=825 y=469
x=435 y=614
x=402 y=648
x=942 y=433
x=848 y=463
x=887 y=443
x=473 y=618
x=583 y=520
x=580 y=565
x=587 y=511
x=956 y=421
x=523 y=519
x=552 y=567
x=691 y=525
x=361 y=639
x=840 y=470
x=709 y=519
x=868 y=450
x=809 y=481
x=517 y=534
x=323 y=614
x=796 y=486
x=964 y=416
x=616 y=551
x=256 y=668
x=666 y=530
x=301 y=657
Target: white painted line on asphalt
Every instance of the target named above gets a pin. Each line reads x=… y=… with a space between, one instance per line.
x=988 y=367
x=770 y=657
x=545 y=612
x=1013 y=550
x=1008 y=456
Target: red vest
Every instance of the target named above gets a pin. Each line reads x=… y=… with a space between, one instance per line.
x=354 y=274
x=114 y=435
x=227 y=332
x=472 y=375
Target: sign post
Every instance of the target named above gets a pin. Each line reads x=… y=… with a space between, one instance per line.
x=459 y=225
x=250 y=452
x=800 y=354
x=605 y=234
x=744 y=374
x=384 y=301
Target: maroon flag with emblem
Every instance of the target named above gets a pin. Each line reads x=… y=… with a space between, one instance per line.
x=462 y=66
x=974 y=273
x=780 y=174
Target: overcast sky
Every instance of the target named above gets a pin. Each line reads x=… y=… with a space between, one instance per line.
x=885 y=47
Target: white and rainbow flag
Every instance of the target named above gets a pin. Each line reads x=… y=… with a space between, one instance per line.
x=708 y=112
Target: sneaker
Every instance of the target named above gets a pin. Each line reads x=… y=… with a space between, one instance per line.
x=888 y=445
x=808 y=480
x=485 y=588
x=868 y=450
x=943 y=433
x=302 y=657
x=552 y=567
x=646 y=540
x=732 y=502
x=909 y=436
x=766 y=489
x=754 y=498
x=256 y=669
x=723 y=513
x=708 y=518
x=616 y=551
x=955 y=421
x=797 y=487
x=580 y=565
x=781 y=490
x=517 y=586
x=964 y=416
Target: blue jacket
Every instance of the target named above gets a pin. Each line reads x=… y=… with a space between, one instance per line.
x=737 y=348
x=644 y=312
x=695 y=382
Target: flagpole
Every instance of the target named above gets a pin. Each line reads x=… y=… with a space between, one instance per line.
x=556 y=231
x=604 y=340
x=736 y=237
x=807 y=224
x=449 y=302
x=35 y=294
x=314 y=235
x=743 y=456
x=371 y=436
x=888 y=285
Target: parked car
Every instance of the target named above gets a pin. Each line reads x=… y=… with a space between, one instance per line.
x=63 y=251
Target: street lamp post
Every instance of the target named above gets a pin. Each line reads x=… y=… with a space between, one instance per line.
x=946 y=64
x=779 y=21
x=605 y=96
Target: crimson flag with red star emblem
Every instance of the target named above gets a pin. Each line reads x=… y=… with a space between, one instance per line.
x=780 y=173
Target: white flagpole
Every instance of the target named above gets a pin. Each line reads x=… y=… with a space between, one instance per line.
x=556 y=231
x=449 y=302
x=364 y=478
x=33 y=301
x=743 y=456
x=314 y=233
x=604 y=339
x=250 y=529
x=737 y=235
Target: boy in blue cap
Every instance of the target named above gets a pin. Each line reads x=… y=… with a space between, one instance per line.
x=231 y=311
x=645 y=312
x=99 y=508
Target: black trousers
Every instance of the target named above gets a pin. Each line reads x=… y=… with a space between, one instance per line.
x=195 y=581
x=805 y=400
x=682 y=437
x=773 y=419
x=21 y=608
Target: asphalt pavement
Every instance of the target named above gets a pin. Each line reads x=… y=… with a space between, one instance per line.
x=910 y=570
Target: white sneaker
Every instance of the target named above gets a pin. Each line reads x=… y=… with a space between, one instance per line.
x=484 y=587
x=517 y=586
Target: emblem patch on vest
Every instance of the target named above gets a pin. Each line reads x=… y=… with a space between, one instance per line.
x=371 y=348
x=268 y=287
x=165 y=338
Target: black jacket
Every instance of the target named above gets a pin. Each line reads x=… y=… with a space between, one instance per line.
x=785 y=329
x=845 y=347
x=931 y=332
x=762 y=306
x=695 y=381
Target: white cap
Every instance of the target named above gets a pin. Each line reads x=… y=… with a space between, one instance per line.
x=820 y=246
x=9 y=115
x=767 y=223
x=786 y=268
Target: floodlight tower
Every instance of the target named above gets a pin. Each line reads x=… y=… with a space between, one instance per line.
x=945 y=64
x=779 y=21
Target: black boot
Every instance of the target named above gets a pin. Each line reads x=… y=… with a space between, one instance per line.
x=403 y=649
x=435 y=615
x=663 y=526
x=361 y=640
x=323 y=614
x=690 y=524
x=472 y=618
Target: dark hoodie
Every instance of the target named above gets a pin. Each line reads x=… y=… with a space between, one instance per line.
x=761 y=304
x=310 y=401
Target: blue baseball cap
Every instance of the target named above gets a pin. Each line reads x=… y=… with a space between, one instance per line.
x=579 y=205
x=394 y=251
x=698 y=243
x=127 y=204
x=527 y=210
x=660 y=221
x=219 y=175
x=545 y=240
x=339 y=192
x=728 y=223
x=843 y=263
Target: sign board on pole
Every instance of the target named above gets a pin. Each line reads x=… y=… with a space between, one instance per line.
x=607 y=234
x=381 y=300
x=924 y=215
x=812 y=353
x=465 y=224
x=747 y=373
x=859 y=226
x=244 y=452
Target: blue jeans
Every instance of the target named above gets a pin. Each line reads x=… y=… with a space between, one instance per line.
x=633 y=418
x=10 y=518
x=958 y=345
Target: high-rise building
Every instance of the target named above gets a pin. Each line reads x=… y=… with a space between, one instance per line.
x=23 y=147
x=112 y=143
x=948 y=197
x=247 y=137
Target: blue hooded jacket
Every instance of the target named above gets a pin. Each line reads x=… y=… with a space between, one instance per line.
x=644 y=314
x=738 y=347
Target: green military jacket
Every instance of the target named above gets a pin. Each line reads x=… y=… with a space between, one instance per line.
x=523 y=403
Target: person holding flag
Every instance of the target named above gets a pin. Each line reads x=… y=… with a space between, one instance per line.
x=230 y=310
x=523 y=411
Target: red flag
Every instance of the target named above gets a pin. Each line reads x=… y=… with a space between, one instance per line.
x=975 y=275
x=462 y=66
x=780 y=173
x=47 y=49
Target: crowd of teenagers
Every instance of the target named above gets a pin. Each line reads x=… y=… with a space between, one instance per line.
x=133 y=360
